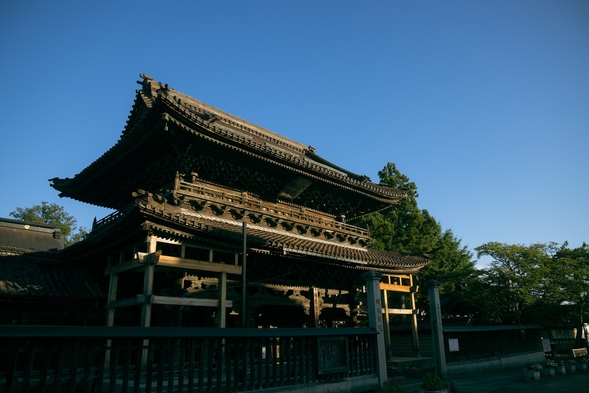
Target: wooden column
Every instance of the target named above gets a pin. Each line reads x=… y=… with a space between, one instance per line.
x=387 y=323
x=314 y=308
x=222 y=293
x=112 y=294
x=353 y=303
x=416 y=349
x=148 y=283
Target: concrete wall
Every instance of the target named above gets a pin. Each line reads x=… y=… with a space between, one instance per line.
x=348 y=385
x=513 y=362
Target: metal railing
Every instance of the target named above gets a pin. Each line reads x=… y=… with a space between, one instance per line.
x=117 y=359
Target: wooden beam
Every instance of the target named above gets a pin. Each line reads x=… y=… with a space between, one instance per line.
x=123 y=267
x=142 y=260
x=186 y=301
x=132 y=301
x=191 y=264
x=400 y=311
x=395 y=287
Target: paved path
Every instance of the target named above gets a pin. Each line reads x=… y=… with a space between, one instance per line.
x=509 y=381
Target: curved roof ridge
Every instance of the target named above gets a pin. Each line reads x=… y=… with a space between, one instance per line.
x=159 y=89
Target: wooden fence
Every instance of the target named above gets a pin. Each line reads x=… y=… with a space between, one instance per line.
x=463 y=344
x=116 y=359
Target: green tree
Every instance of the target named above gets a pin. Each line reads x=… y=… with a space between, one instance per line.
x=402 y=227
x=451 y=264
x=570 y=275
x=517 y=276
x=407 y=228
x=54 y=215
x=539 y=283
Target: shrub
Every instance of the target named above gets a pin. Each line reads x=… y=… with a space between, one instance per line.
x=432 y=382
x=393 y=387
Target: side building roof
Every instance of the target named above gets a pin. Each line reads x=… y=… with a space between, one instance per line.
x=31 y=236
x=26 y=274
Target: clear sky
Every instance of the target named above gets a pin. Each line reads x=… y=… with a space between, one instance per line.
x=483 y=104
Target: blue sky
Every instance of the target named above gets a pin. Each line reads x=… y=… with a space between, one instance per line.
x=483 y=104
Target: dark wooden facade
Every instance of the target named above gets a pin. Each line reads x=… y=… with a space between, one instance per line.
x=184 y=178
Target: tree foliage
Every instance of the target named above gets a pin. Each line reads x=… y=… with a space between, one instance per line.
x=407 y=228
x=539 y=283
x=403 y=227
x=54 y=215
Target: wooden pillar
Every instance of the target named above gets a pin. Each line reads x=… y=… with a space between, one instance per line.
x=148 y=283
x=112 y=295
x=222 y=308
x=387 y=323
x=435 y=312
x=314 y=309
x=416 y=349
x=353 y=303
x=375 y=321
x=147 y=292
x=244 y=292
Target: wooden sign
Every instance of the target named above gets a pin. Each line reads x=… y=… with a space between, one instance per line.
x=332 y=355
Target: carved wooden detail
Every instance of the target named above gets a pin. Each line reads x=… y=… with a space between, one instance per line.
x=215 y=201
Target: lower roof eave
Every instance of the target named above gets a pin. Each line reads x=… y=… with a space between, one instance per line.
x=358 y=264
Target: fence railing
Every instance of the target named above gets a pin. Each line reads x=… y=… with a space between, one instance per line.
x=564 y=346
x=489 y=344
x=116 y=359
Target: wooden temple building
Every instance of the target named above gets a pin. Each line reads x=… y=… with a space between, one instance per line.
x=193 y=188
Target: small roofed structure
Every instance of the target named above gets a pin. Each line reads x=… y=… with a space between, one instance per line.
x=198 y=192
x=30 y=236
x=37 y=285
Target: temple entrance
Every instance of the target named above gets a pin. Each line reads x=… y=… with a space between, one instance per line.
x=280 y=316
x=333 y=317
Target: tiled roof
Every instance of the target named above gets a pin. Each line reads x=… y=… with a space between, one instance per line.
x=291 y=243
x=248 y=134
x=24 y=273
x=20 y=234
x=217 y=141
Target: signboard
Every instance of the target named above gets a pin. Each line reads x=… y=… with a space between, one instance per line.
x=453 y=345
x=332 y=355
x=546 y=345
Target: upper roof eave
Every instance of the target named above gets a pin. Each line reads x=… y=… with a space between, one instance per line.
x=189 y=107
x=153 y=93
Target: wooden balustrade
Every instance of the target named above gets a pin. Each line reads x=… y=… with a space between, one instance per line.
x=117 y=359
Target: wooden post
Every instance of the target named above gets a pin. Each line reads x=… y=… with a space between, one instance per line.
x=148 y=285
x=314 y=311
x=147 y=291
x=110 y=311
x=416 y=350
x=244 y=278
x=435 y=311
x=375 y=321
x=112 y=295
x=222 y=308
x=386 y=323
